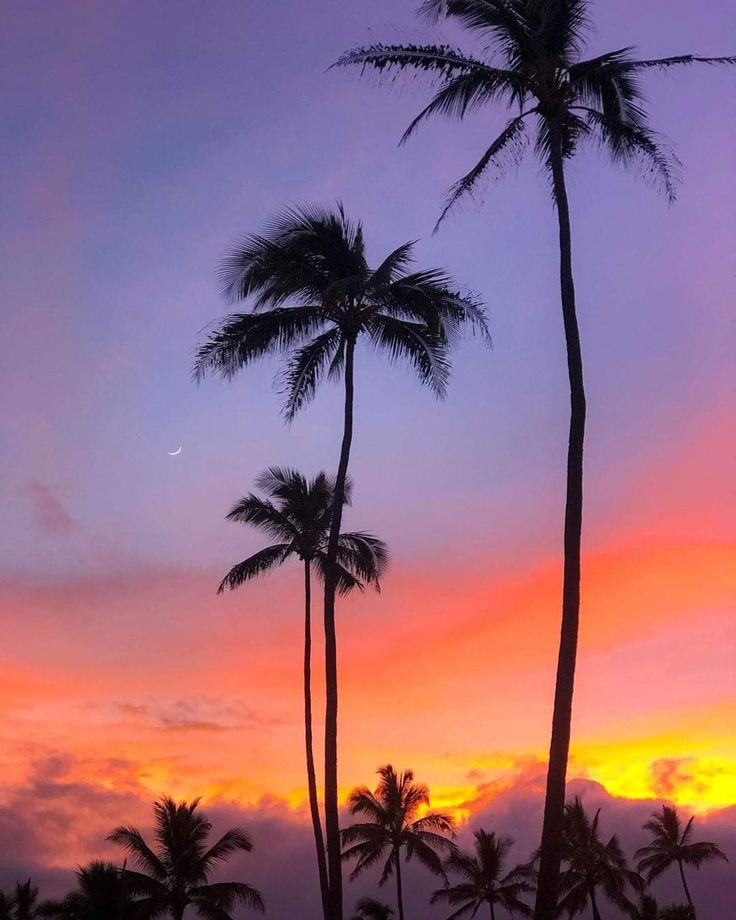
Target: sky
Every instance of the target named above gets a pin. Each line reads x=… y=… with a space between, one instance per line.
x=140 y=141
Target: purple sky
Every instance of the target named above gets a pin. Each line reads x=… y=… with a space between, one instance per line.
x=139 y=141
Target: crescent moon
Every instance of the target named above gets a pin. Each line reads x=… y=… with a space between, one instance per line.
x=175 y=453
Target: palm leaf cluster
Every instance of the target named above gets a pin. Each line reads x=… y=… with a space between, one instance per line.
x=485 y=880
x=394 y=823
x=590 y=865
x=313 y=294
x=173 y=875
x=297 y=512
x=532 y=65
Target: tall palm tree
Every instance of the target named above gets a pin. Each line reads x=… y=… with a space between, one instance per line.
x=314 y=296
x=175 y=875
x=394 y=824
x=297 y=512
x=26 y=905
x=371 y=909
x=533 y=66
x=484 y=879
x=590 y=866
x=102 y=893
x=673 y=845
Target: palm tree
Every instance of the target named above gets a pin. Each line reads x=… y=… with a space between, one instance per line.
x=484 y=879
x=370 y=909
x=673 y=845
x=102 y=893
x=534 y=68
x=590 y=865
x=297 y=512
x=25 y=901
x=175 y=874
x=314 y=296
x=6 y=905
x=394 y=824
x=677 y=912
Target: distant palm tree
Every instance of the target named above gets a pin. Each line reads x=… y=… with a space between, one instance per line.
x=531 y=64
x=370 y=909
x=647 y=909
x=175 y=875
x=394 y=824
x=673 y=845
x=314 y=296
x=676 y=912
x=6 y=905
x=297 y=512
x=25 y=901
x=485 y=880
x=102 y=894
x=590 y=866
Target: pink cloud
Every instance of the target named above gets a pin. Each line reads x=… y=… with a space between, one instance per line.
x=48 y=511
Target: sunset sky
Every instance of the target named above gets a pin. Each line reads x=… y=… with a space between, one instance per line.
x=139 y=141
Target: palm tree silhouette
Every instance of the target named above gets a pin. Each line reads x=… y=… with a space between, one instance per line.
x=484 y=879
x=590 y=865
x=673 y=845
x=176 y=874
x=534 y=67
x=370 y=909
x=314 y=296
x=25 y=904
x=297 y=512
x=394 y=824
x=6 y=905
x=103 y=893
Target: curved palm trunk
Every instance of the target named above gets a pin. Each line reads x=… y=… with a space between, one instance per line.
x=332 y=818
x=493 y=910
x=399 y=887
x=684 y=885
x=311 y=772
x=554 y=806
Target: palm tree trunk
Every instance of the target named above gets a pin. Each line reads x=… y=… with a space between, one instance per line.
x=399 y=887
x=594 y=905
x=554 y=806
x=493 y=910
x=332 y=818
x=311 y=772
x=684 y=885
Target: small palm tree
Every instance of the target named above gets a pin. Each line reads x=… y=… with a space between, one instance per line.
x=314 y=297
x=590 y=866
x=532 y=65
x=371 y=909
x=25 y=901
x=673 y=845
x=103 y=893
x=394 y=824
x=297 y=512
x=6 y=905
x=484 y=879
x=175 y=875
x=676 y=912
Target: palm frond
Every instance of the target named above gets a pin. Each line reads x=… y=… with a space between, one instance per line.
x=510 y=143
x=307 y=367
x=243 y=338
x=132 y=840
x=415 y=343
x=257 y=564
x=467 y=91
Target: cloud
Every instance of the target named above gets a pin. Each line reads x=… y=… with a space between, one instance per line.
x=49 y=513
x=213 y=714
x=55 y=821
